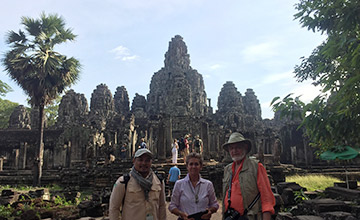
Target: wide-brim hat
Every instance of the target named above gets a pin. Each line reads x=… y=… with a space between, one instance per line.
x=143 y=151
x=236 y=137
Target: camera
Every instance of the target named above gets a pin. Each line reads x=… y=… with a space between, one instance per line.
x=232 y=214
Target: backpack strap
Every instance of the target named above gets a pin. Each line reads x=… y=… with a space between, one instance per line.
x=125 y=181
x=160 y=175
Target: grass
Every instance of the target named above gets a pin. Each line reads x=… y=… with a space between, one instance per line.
x=313 y=182
x=22 y=188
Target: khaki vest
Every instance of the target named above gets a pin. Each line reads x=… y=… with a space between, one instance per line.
x=248 y=186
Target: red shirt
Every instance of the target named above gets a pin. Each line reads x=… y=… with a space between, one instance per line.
x=267 y=197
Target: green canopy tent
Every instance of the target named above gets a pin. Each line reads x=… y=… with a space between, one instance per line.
x=342 y=153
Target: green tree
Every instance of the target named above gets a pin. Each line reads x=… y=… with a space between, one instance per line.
x=4 y=88
x=333 y=117
x=6 y=106
x=6 y=109
x=38 y=69
x=51 y=111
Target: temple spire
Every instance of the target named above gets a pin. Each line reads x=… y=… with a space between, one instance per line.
x=177 y=57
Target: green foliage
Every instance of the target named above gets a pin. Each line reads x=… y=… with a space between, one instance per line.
x=6 y=211
x=313 y=182
x=288 y=107
x=51 y=111
x=21 y=188
x=6 y=108
x=61 y=201
x=32 y=62
x=300 y=196
x=4 y=88
x=54 y=187
x=333 y=117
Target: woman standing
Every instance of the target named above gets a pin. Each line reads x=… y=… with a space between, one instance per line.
x=193 y=194
x=174 y=151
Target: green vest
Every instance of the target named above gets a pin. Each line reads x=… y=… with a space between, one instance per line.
x=248 y=186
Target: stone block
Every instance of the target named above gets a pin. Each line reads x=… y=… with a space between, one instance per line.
x=7 y=192
x=317 y=206
x=338 y=215
x=288 y=196
x=292 y=185
x=284 y=216
x=355 y=210
x=311 y=194
x=342 y=193
x=308 y=217
x=352 y=184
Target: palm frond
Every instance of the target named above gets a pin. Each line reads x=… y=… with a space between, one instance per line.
x=13 y=37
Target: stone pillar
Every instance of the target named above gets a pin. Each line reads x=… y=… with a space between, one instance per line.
x=23 y=155
x=206 y=140
x=68 y=154
x=17 y=155
x=161 y=153
x=306 y=151
x=168 y=137
x=227 y=157
x=151 y=140
x=133 y=143
x=260 y=150
x=1 y=163
x=293 y=155
x=278 y=150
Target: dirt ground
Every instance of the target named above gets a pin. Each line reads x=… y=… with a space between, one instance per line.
x=169 y=215
x=215 y=216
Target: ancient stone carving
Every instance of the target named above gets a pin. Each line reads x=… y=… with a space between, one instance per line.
x=73 y=109
x=138 y=106
x=252 y=105
x=20 y=118
x=101 y=107
x=121 y=101
x=175 y=105
x=177 y=89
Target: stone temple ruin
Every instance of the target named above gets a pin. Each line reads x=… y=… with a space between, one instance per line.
x=176 y=105
x=82 y=148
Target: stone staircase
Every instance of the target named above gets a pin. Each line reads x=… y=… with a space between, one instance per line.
x=99 y=178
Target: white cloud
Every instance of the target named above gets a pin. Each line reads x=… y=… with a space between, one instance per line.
x=307 y=91
x=215 y=66
x=126 y=58
x=273 y=78
x=266 y=110
x=260 y=51
x=123 y=53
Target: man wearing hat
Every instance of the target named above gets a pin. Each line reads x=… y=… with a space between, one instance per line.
x=247 y=179
x=139 y=194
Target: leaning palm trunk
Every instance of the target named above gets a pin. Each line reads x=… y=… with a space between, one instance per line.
x=40 y=149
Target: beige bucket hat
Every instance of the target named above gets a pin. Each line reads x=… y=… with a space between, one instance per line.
x=236 y=137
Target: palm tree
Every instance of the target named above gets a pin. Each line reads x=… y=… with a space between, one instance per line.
x=39 y=70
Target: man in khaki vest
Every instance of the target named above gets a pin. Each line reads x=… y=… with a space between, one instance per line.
x=141 y=194
x=248 y=179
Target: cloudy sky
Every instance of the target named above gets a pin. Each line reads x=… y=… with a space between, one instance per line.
x=255 y=44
